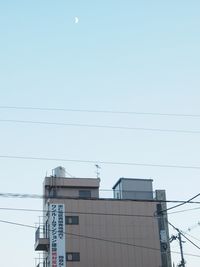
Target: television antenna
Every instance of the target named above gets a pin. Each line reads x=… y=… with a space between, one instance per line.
x=97 y=171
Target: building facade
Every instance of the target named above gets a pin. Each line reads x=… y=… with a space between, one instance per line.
x=82 y=229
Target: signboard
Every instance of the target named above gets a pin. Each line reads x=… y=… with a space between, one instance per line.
x=57 y=235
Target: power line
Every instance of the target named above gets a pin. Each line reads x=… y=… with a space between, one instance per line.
x=179 y=237
x=37 y=196
x=89 y=213
x=181 y=232
x=187 y=254
x=102 y=162
x=186 y=233
x=192 y=236
x=18 y=224
x=102 y=126
x=103 y=111
x=181 y=204
x=181 y=211
x=190 y=240
x=96 y=238
x=85 y=213
x=82 y=213
x=86 y=236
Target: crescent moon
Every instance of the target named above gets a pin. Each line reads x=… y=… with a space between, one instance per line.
x=76 y=20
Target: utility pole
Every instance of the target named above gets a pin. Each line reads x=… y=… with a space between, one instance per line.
x=182 y=264
x=163 y=228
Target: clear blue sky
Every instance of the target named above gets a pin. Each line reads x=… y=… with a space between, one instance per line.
x=122 y=55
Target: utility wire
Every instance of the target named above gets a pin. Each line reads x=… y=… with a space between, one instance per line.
x=103 y=162
x=102 y=126
x=187 y=254
x=181 y=232
x=190 y=240
x=102 y=111
x=36 y=196
x=87 y=213
x=181 y=204
x=18 y=224
x=87 y=237
x=181 y=211
x=82 y=213
x=96 y=238
x=197 y=239
x=189 y=230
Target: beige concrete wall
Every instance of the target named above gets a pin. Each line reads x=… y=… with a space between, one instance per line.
x=71 y=182
x=139 y=232
x=74 y=192
x=70 y=186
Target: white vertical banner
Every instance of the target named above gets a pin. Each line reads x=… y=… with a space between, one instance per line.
x=57 y=235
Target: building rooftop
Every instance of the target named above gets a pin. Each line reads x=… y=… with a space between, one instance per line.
x=130 y=179
x=72 y=182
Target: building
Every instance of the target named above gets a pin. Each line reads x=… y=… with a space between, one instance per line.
x=81 y=229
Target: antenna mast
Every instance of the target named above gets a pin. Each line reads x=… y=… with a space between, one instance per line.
x=97 y=171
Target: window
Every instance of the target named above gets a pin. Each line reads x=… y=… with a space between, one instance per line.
x=72 y=256
x=85 y=193
x=71 y=220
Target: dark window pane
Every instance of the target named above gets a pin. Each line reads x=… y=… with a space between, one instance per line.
x=72 y=256
x=71 y=220
x=85 y=193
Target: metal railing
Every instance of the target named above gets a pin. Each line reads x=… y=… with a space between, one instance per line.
x=41 y=261
x=40 y=232
x=42 y=264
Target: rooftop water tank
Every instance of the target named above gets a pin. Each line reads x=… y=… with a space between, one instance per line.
x=59 y=172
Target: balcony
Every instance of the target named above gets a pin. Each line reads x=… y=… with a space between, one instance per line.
x=42 y=264
x=41 y=261
x=41 y=239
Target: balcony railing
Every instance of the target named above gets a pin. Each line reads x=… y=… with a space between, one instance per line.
x=41 y=239
x=41 y=262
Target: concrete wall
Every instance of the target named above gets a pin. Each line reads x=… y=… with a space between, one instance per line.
x=69 y=187
x=141 y=233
